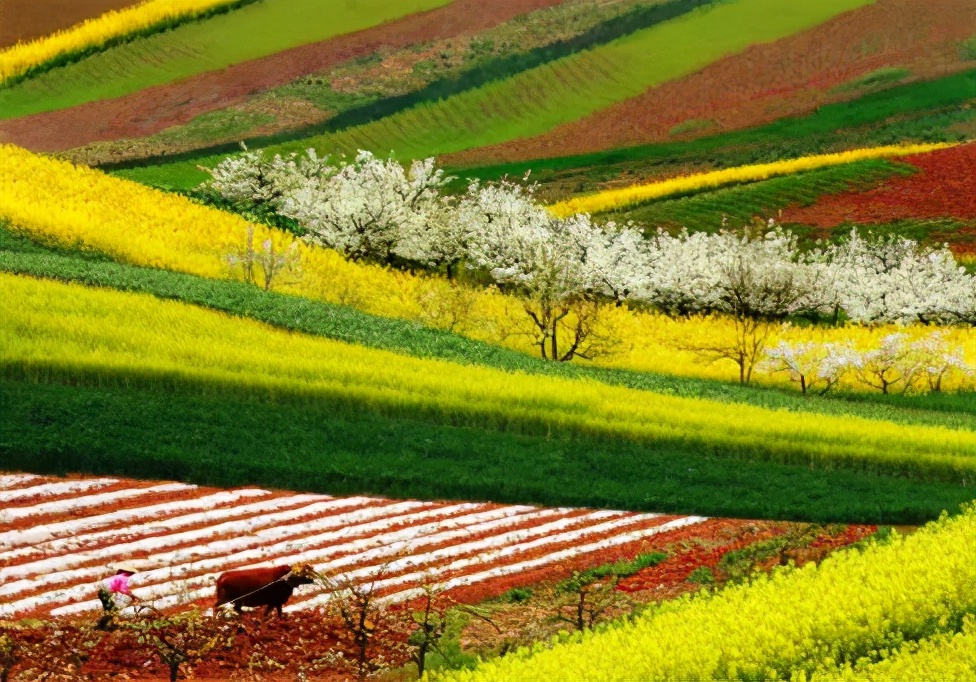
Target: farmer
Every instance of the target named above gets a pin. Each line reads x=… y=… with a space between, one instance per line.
x=111 y=589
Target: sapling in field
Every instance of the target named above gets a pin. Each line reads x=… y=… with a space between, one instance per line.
x=267 y=260
x=814 y=366
x=187 y=637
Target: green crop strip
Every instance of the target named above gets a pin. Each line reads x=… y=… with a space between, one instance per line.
x=77 y=55
x=254 y=31
x=358 y=108
x=21 y=256
x=563 y=90
x=918 y=112
x=227 y=441
x=704 y=211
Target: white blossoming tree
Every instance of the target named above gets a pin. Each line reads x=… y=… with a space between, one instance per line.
x=758 y=279
x=896 y=280
x=814 y=366
x=368 y=207
x=565 y=269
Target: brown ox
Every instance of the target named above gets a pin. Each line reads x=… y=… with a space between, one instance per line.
x=268 y=587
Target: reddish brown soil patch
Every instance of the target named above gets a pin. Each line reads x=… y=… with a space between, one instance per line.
x=765 y=82
x=151 y=110
x=943 y=187
x=23 y=20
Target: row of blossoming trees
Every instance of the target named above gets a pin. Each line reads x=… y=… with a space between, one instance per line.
x=565 y=269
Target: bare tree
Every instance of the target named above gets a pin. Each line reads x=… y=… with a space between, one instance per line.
x=366 y=620
x=186 y=637
x=429 y=624
x=267 y=260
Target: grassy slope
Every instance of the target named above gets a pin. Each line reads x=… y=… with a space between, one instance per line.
x=19 y=255
x=703 y=211
x=564 y=90
x=225 y=440
x=922 y=112
x=251 y=32
x=193 y=433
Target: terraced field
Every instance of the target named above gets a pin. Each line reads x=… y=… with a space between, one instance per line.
x=939 y=190
x=56 y=537
x=150 y=110
x=191 y=49
x=794 y=75
x=564 y=90
x=354 y=366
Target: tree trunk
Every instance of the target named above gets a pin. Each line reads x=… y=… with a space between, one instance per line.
x=421 y=659
x=554 y=344
x=174 y=669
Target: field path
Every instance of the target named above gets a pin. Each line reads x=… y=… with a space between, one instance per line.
x=58 y=538
x=154 y=109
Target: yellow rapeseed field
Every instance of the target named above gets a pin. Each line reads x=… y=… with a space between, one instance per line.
x=54 y=331
x=58 y=202
x=17 y=60
x=944 y=657
x=783 y=626
x=614 y=199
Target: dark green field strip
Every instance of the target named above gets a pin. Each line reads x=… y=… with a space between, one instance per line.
x=920 y=112
x=703 y=212
x=19 y=255
x=226 y=441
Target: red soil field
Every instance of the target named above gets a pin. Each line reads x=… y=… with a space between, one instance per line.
x=23 y=20
x=308 y=641
x=151 y=110
x=764 y=83
x=944 y=187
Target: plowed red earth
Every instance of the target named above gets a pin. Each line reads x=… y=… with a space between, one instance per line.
x=22 y=20
x=945 y=186
x=789 y=77
x=151 y=110
x=77 y=525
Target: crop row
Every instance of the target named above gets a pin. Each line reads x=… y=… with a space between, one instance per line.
x=941 y=189
x=615 y=199
x=738 y=205
x=57 y=332
x=51 y=558
x=575 y=86
x=342 y=323
x=193 y=48
x=853 y=606
x=57 y=202
x=96 y=33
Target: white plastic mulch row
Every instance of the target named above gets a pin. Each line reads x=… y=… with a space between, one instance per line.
x=61 y=558
x=184 y=544
x=240 y=535
x=53 y=489
x=173 y=577
x=354 y=551
x=74 y=503
x=14 y=480
x=45 y=537
x=511 y=569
